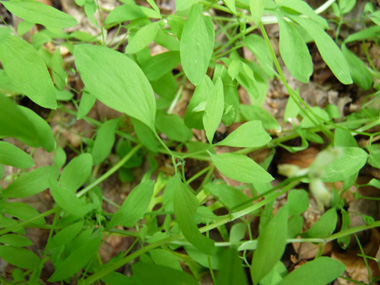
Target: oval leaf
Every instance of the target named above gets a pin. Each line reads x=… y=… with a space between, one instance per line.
x=159 y=65
x=33 y=79
x=104 y=141
x=294 y=52
x=135 y=206
x=250 y=134
x=13 y=156
x=270 y=245
x=197 y=44
x=117 y=81
x=173 y=126
x=142 y=38
x=76 y=172
x=325 y=268
x=241 y=168
x=35 y=12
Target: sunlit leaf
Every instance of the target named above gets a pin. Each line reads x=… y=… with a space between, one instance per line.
x=120 y=85
x=13 y=156
x=142 y=38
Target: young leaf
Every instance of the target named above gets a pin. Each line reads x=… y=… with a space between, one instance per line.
x=228 y=195
x=121 y=85
x=231 y=269
x=231 y=5
x=294 y=51
x=184 y=4
x=324 y=227
x=135 y=206
x=214 y=110
x=86 y=103
x=330 y=52
x=142 y=38
x=275 y=275
x=348 y=163
x=359 y=71
x=60 y=157
x=145 y=135
x=197 y=105
x=129 y=12
x=250 y=134
x=251 y=112
x=344 y=138
x=66 y=199
x=13 y=156
x=241 y=168
x=33 y=79
x=270 y=245
x=157 y=66
x=36 y=12
x=104 y=141
x=257 y=45
x=76 y=172
x=173 y=126
x=257 y=10
x=59 y=73
x=31 y=183
x=185 y=206
x=165 y=258
x=326 y=268
x=19 y=257
x=115 y=278
x=76 y=260
x=298 y=201
x=197 y=44
x=160 y=275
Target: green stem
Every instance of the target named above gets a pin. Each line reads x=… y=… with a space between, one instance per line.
x=110 y=171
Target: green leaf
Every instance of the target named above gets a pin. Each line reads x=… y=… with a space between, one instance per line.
x=214 y=110
x=142 y=38
x=157 y=66
x=165 y=258
x=270 y=245
x=145 y=135
x=23 y=212
x=237 y=232
x=65 y=235
x=173 y=126
x=251 y=112
x=121 y=85
x=257 y=10
x=368 y=33
x=59 y=157
x=160 y=275
x=324 y=227
x=59 y=73
x=85 y=105
x=33 y=79
x=231 y=269
x=298 y=201
x=359 y=71
x=19 y=257
x=31 y=183
x=104 y=141
x=241 y=168
x=275 y=275
x=76 y=172
x=344 y=138
x=76 y=260
x=66 y=199
x=135 y=206
x=351 y=160
x=250 y=134
x=197 y=105
x=129 y=12
x=184 y=4
x=228 y=195
x=257 y=45
x=346 y=6
x=325 y=268
x=197 y=44
x=294 y=52
x=13 y=156
x=231 y=5
x=328 y=49
x=36 y=12
x=15 y=240
x=185 y=206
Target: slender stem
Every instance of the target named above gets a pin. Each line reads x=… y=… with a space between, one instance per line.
x=110 y=172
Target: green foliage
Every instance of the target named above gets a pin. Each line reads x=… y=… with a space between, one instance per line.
x=195 y=149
